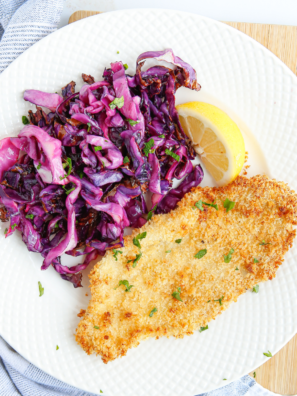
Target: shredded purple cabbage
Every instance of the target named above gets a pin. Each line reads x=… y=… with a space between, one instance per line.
x=75 y=177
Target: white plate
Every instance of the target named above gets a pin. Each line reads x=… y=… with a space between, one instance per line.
x=260 y=92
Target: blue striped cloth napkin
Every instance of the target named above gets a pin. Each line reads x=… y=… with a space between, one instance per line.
x=23 y=23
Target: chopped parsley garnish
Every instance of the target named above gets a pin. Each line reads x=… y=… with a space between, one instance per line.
x=269 y=354
x=228 y=257
x=152 y=312
x=115 y=253
x=41 y=289
x=224 y=379
x=203 y=328
x=29 y=216
x=168 y=251
x=126 y=160
x=254 y=374
x=178 y=240
x=208 y=301
x=117 y=102
x=126 y=284
x=69 y=164
x=147 y=147
x=255 y=260
x=96 y=327
x=100 y=389
x=56 y=225
x=97 y=148
x=173 y=155
x=117 y=53
x=200 y=254
x=25 y=120
x=89 y=126
x=125 y=66
x=81 y=174
x=236 y=269
x=132 y=122
x=213 y=205
x=220 y=300
x=38 y=166
x=135 y=261
x=199 y=205
x=228 y=205
x=57 y=347
x=13 y=227
x=150 y=213
x=137 y=238
x=263 y=243
x=6 y=231
x=256 y=289
x=176 y=294
x=162 y=136
x=68 y=191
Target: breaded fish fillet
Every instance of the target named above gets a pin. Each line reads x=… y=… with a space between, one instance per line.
x=176 y=289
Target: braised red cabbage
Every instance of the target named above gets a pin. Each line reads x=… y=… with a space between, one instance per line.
x=76 y=176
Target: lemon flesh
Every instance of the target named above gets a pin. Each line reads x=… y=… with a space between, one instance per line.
x=215 y=137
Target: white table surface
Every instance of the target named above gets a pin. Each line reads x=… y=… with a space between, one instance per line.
x=259 y=11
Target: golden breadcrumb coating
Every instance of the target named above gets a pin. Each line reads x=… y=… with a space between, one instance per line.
x=116 y=320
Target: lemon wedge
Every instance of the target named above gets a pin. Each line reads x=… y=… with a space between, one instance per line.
x=215 y=137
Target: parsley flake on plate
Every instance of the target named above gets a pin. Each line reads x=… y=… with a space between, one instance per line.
x=125 y=66
x=168 y=251
x=117 y=102
x=176 y=294
x=89 y=126
x=126 y=160
x=255 y=260
x=152 y=312
x=228 y=205
x=115 y=253
x=256 y=289
x=13 y=227
x=203 y=329
x=25 y=120
x=162 y=136
x=228 y=257
x=57 y=347
x=254 y=374
x=178 y=240
x=38 y=166
x=41 y=289
x=236 y=269
x=126 y=284
x=96 y=327
x=200 y=254
x=268 y=354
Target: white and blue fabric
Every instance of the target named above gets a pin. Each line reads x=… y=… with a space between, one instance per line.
x=23 y=23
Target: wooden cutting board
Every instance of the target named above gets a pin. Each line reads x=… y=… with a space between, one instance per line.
x=278 y=374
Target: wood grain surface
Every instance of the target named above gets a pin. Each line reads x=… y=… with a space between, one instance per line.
x=278 y=374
